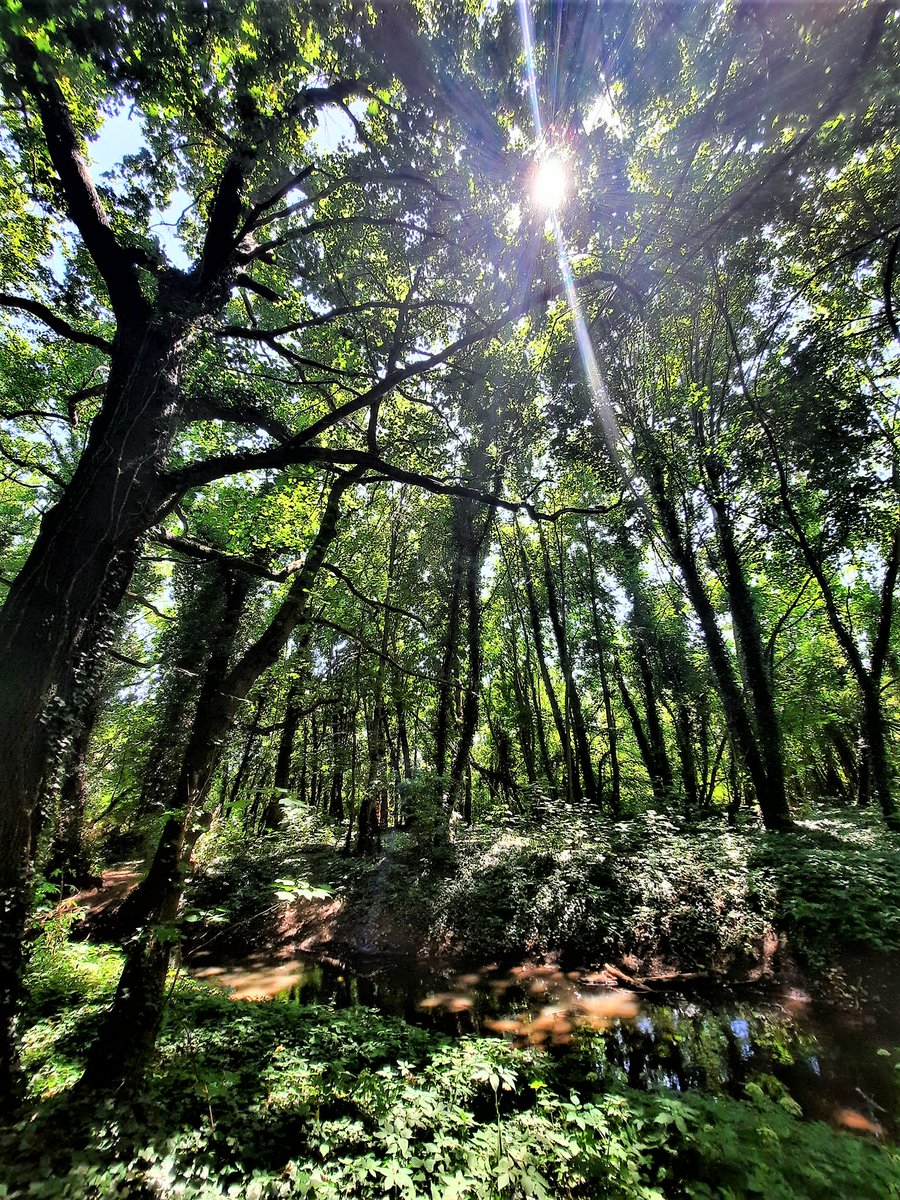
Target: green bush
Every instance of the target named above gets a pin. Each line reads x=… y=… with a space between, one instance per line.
x=647 y=888
x=696 y=897
x=273 y=1101
x=834 y=885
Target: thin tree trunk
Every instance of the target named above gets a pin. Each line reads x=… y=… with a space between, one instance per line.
x=658 y=752
x=274 y=812
x=660 y=795
x=685 y=738
x=561 y=729
x=573 y=697
x=475 y=549
x=750 y=643
x=615 y=796
x=525 y=723
x=615 y=770
x=772 y=804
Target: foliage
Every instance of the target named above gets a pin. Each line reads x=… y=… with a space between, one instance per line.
x=422 y=803
x=273 y=1100
x=650 y=888
x=63 y=972
x=654 y=888
x=468 y=563
x=836 y=884
x=242 y=878
x=693 y=896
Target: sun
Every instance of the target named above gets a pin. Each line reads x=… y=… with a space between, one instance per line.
x=550 y=182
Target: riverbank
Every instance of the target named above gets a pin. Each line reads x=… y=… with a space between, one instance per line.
x=639 y=1012
x=653 y=899
x=326 y=1100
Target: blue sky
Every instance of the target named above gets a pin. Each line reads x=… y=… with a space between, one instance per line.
x=122 y=134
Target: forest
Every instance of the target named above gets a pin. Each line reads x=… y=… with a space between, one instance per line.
x=449 y=643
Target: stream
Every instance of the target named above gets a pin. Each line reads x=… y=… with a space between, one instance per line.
x=837 y=1064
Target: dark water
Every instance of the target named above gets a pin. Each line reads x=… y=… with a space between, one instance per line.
x=835 y=1064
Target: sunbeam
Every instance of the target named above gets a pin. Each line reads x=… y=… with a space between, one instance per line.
x=549 y=189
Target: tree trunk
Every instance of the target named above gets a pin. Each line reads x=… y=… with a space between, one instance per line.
x=475 y=548
x=573 y=697
x=274 y=813
x=120 y=1053
x=572 y=780
x=615 y=770
x=446 y=688
x=685 y=736
x=750 y=644
x=525 y=722
x=868 y=682
x=615 y=795
x=67 y=859
x=662 y=769
x=403 y=740
x=80 y=565
x=772 y=804
x=660 y=794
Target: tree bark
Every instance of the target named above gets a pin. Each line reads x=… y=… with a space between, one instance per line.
x=274 y=811
x=126 y=1040
x=573 y=696
x=572 y=779
x=772 y=804
x=750 y=644
x=475 y=550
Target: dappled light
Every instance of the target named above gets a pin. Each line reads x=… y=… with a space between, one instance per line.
x=449 y=639
x=573 y=1003
x=253 y=982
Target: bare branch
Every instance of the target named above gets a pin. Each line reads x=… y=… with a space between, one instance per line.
x=145 y=603
x=242 y=279
x=370 y=649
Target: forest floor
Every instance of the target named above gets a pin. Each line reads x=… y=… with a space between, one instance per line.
x=656 y=901
x=653 y=903
x=634 y=1013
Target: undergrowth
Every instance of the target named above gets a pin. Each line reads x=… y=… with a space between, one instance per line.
x=694 y=897
x=654 y=888
x=270 y=1100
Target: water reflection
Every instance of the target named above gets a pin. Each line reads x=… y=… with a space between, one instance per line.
x=574 y=1000
x=832 y=1063
x=255 y=982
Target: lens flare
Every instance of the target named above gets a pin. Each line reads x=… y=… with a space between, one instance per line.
x=604 y=413
x=550 y=182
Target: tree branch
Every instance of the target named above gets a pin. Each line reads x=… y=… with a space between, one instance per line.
x=383 y=604
x=55 y=322
x=200 y=550
x=83 y=203
x=38 y=468
x=370 y=649
x=890 y=266
x=298 y=450
x=208 y=408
